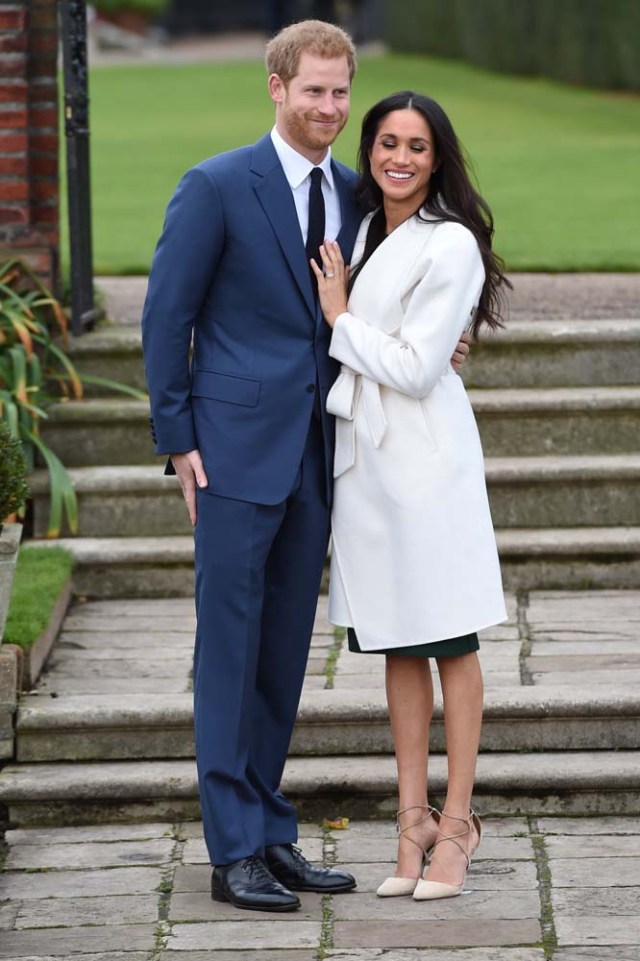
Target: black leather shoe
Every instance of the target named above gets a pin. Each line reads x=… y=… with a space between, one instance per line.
x=287 y=863
x=249 y=884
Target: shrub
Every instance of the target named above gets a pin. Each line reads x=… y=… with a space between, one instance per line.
x=13 y=472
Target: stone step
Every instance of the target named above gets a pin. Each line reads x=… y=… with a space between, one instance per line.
x=109 y=727
x=109 y=351
x=557 y=353
x=564 y=491
x=524 y=422
x=139 y=501
x=577 y=558
x=100 y=431
x=527 y=353
x=553 y=783
x=562 y=420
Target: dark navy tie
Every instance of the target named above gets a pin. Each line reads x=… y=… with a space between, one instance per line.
x=315 y=232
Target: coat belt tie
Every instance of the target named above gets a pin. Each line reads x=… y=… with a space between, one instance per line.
x=348 y=391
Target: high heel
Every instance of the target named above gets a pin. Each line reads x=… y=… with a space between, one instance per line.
x=426 y=890
x=398 y=887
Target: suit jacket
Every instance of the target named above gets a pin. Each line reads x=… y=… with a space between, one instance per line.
x=230 y=269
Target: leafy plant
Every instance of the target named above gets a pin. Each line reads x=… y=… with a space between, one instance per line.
x=13 y=473
x=35 y=371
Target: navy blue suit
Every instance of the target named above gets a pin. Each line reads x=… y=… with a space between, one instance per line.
x=231 y=268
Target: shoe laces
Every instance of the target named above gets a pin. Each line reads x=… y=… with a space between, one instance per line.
x=257 y=868
x=298 y=856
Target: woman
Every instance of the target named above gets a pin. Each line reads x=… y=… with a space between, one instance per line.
x=415 y=571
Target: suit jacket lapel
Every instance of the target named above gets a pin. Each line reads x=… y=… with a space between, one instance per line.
x=276 y=199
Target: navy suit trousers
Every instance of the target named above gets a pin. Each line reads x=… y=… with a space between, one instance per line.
x=258 y=572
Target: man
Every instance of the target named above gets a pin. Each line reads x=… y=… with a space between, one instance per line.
x=252 y=444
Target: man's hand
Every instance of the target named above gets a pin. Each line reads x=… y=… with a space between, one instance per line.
x=461 y=351
x=190 y=472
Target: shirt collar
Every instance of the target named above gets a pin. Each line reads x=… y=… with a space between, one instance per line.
x=296 y=167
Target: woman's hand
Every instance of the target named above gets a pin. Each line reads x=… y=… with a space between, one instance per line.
x=332 y=281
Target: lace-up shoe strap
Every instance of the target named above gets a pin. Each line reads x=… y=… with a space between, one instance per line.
x=402 y=832
x=462 y=834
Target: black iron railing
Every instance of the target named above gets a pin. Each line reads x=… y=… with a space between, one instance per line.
x=76 y=117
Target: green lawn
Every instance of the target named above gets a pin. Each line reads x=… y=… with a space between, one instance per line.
x=558 y=165
x=40 y=576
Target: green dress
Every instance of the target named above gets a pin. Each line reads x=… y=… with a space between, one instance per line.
x=452 y=647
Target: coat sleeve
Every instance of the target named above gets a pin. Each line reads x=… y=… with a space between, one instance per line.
x=437 y=313
x=183 y=267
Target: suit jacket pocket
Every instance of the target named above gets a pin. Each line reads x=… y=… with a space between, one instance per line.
x=229 y=388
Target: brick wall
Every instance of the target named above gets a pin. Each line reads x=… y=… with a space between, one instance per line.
x=29 y=184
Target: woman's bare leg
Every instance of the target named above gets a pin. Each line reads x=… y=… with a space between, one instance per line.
x=462 y=692
x=410 y=700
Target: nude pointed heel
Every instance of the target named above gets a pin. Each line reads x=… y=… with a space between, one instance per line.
x=402 y=887
x=426 y=890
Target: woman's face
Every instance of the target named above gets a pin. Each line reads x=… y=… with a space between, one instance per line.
x=403 y=157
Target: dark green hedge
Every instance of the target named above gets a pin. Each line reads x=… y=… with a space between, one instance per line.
x=590 y=42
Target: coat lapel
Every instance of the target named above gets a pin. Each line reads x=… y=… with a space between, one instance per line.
x=276 y=199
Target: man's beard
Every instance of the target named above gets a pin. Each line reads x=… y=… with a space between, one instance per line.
x=302 y=131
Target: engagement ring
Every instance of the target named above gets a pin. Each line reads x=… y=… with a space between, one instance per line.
x=329 y=276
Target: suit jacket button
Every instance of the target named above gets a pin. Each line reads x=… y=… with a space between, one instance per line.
x=311 y=388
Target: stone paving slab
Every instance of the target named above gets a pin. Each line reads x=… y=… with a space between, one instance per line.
x=198 y=906
x=80 y=835
x=579 y=662
x=8 y=915
x=460 y=933
x=602 y=846
x=87 y=669
x=492 y=828
x=492 y=848
x=437 y=954
x=497 y=905
x=193 y=830
x=257 y=955
x=135 y=640
x=123 y=685
x=138 y=607
x=74 y=941
x=246 y=934
x=614 y=679
x=71 y=884
x=498 y=634
x=195 y=851
x=109 y=956
x=76 y=912
x=603 y=825
x=601 y=953
x=596 y=930
x=91 y=854
x=71 y=651
x=596 y=872
x=605 y=646
x=599 y=902
x=112 y=624
x=363 y=681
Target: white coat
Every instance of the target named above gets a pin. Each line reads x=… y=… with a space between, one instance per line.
x=414 y=557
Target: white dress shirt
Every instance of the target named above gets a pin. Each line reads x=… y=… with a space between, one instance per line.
x=297 y=170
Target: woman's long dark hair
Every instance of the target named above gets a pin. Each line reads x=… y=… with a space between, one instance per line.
x=451 y=197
